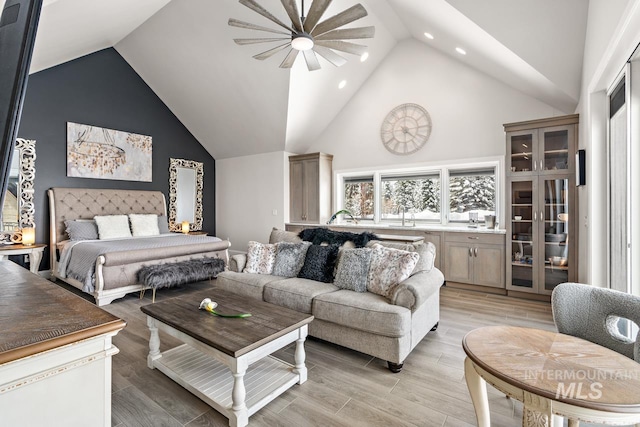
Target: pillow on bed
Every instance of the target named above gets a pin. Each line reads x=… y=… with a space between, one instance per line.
x=112 y=226
x=144 y=225
x=163 y=224
x=81 y=229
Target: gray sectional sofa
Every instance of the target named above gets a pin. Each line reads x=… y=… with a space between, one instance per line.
x=366 y=322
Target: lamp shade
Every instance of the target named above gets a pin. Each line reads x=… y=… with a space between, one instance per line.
x=185 y=227
x=28 y=236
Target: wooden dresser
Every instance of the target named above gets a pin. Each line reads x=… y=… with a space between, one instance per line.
x=55 y=354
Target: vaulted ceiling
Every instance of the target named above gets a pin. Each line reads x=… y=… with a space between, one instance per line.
x=236 y=105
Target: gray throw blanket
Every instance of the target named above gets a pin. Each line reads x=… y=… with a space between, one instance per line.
x=78 y=259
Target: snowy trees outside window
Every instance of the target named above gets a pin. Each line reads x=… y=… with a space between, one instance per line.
x=359 y=197
x=418 y=196
x=471 y=191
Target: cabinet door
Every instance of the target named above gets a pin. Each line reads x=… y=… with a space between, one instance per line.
x=296 y=188
x=459 y=263
x=435 y=238
x=555 y=145
x=522 y=146
x=555 y=233
x=488 y=265
x=522 y=228
x=312 y=191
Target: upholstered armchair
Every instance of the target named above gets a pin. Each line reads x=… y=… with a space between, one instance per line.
x=592 y=314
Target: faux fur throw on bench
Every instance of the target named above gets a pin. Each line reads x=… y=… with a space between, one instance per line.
x=321 y=235
x=178 y=273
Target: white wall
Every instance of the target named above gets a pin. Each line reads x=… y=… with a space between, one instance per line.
x=467 y=109
x=248 y=190
x=612 y=34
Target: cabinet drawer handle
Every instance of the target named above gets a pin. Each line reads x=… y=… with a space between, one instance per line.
x=535 y=216
x=535 y=164
x=541 y=165
x=470 y=251
x=475 y=252
x=473 y=238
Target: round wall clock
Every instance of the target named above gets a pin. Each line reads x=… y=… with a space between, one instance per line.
x=406 y=129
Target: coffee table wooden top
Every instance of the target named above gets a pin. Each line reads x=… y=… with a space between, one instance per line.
x=538 y=361
x=232 y=336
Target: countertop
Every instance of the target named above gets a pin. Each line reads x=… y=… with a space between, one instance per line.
x=430 y=227
x=37 y=315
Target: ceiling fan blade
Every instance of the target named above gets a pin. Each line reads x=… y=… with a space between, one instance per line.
x=254 y=41
x=330 y=55
x=247 y=25
x=291 y=7
x=269 y=53
x=312 y=60
x=251 y=4
x=343 y=18
x=317 y=9
x=348 y=33
x=290 y=59
x=355 y=49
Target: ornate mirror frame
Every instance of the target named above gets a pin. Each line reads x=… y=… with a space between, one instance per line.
x=173 y=192
x=26 y=175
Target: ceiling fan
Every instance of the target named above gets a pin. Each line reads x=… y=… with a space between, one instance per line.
x=307 y=34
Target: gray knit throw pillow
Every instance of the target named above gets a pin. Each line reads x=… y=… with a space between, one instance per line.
x=81 y=229
x=353 y=268
x=290 y=258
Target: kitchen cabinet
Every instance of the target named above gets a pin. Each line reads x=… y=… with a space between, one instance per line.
x=541 y=204
x=475 y=259
x=310 y=188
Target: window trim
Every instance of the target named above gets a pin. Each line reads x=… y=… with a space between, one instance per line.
x=441 y=168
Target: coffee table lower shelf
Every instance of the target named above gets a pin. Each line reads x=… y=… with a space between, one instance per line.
x=212 y=381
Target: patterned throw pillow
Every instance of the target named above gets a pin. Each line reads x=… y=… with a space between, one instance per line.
x=352 y=269
x=82 y=229
x=426 y=250
x=320 y=263
x=260 y=258
x=290 y=258
x=388 y=268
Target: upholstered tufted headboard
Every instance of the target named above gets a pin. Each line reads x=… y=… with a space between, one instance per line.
x=85 y=203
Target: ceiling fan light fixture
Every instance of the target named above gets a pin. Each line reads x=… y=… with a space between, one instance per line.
x=302 y=41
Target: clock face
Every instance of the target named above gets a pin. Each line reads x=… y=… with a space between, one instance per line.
x=406 y=129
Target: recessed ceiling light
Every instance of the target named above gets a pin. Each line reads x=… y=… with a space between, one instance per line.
x=429 y=36
x=461 y=51
x=364 y=57
x=342 y=84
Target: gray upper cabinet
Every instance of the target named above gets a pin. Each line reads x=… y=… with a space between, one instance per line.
x=310 y=185
x=541 y=204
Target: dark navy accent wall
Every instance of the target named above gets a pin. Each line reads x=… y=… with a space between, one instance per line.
x=101 y=89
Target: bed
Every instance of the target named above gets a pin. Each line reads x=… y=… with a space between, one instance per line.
x=113 y=274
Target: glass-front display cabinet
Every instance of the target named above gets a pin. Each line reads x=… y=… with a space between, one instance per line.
x=541 y=204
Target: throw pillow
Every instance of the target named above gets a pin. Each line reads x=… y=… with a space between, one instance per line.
x=260 y=258
x=81 y=229
x=319 y=263
x=290 y=258
x=427 y=252
x=283 y=236
x=112 y=226
x=352 y=269
x=144 y=225
x=388 y=268
x=163 y=224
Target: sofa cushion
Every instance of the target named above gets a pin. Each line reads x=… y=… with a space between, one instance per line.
x=295 y=293
x=388 y=268
x=319 y=263
x=289 y=258
x=246 y=284
x=426 y=250
x=260 y=258
x=364 y=311
x=278 y=236
x=352 y=269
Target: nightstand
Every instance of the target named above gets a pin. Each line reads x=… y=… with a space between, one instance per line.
x=194 y=233
x=33 y=251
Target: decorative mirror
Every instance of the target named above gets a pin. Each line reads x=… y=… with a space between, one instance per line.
x=18 y=210
x=185 y=194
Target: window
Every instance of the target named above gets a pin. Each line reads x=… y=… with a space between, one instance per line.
x=471 y=190
x=359 y=197
x=417 y=195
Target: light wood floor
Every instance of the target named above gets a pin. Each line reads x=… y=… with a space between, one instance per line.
x=345 y=388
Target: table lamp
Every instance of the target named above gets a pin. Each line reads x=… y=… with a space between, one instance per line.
x=28 y=236
x=185 y=227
